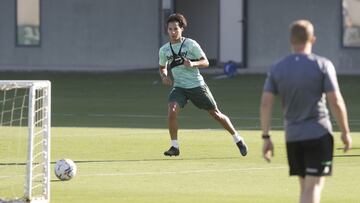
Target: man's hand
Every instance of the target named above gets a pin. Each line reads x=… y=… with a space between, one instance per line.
x=268 y=149
x=347 y=140
x=188 y=63
x=166 y=80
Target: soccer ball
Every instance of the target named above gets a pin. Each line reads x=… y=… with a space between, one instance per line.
x=65 y=169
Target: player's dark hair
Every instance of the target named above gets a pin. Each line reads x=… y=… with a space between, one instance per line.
x=177 y=17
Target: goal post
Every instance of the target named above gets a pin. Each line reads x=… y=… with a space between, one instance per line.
x=25 y=122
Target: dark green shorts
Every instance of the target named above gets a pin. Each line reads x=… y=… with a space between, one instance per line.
x=200 y=96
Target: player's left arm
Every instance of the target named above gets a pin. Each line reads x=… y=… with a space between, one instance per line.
x=202 y=63
x=338 y=109
x=198 y=54
x=336 y=103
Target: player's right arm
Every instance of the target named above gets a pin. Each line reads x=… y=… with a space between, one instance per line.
x=165 y=77
x=338 y=110
x=166 y=80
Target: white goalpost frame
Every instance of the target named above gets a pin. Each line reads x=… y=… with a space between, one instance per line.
x=34 y=85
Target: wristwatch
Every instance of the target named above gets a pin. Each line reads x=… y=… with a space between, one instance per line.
x=266 y=136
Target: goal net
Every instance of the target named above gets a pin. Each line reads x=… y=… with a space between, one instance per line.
x=25 y=114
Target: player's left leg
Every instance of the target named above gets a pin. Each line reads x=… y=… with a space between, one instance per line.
x=202 y=98
x=223 y=120
x=226 y=123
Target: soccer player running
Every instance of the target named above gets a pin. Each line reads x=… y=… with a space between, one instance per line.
x=182 y=57
x=303 y=81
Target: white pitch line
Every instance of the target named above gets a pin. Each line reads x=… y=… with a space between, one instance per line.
x=11 y=176
x=182 y=172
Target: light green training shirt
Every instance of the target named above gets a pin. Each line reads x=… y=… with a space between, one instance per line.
x=185 y=77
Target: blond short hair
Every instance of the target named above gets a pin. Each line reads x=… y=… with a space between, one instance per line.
x=301 y=32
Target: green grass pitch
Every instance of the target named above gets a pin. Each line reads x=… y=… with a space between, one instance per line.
x=114 y=127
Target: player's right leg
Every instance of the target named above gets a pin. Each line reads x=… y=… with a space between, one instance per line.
x=311 y=190
x=177 y=100
x=173 y=110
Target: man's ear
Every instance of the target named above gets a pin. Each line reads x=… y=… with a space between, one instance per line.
x=313 y=39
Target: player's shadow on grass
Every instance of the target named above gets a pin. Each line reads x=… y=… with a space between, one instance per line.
x=354 y=148
x=179 y=159
x=57 y=180
x=347 y=155
x=149 y=160
x=165 y=159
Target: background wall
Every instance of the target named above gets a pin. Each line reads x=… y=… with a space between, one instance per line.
x=203 y=23
x=120 y=35
x=268 y=32
x=85 y=35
